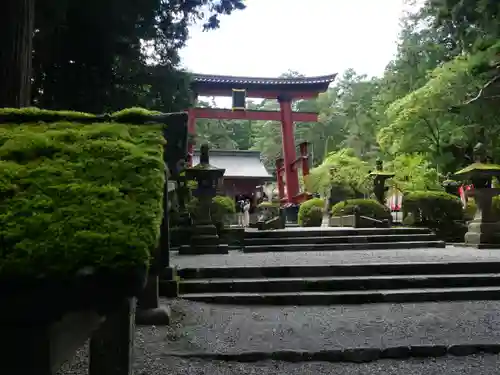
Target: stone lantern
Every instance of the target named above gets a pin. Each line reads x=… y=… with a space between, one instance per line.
x=484 y=229
x=380 y=176
x=204 y=237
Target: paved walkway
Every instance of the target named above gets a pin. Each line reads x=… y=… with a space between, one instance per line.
x=240 y=259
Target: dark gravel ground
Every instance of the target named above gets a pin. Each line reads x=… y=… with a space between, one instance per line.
x=480 y=365
x=206 y=328
x=238 y=259
x=153 y=364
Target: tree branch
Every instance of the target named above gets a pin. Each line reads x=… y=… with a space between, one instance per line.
x=481 y=92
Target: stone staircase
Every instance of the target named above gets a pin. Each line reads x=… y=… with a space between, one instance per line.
x=342 y=283
x=332 y=239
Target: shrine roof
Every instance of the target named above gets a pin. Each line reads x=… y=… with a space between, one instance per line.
x=237 y=163
x=210 y=78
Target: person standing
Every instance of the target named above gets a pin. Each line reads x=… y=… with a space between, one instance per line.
x=240 y=205
x=246 y=213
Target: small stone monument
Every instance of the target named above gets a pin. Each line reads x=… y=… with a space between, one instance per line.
x=269 y=216
x=380 y=176
x=484 y=229
x=204 y=237
x=451 y=186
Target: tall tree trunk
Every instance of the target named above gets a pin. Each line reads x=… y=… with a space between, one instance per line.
x=16 y=49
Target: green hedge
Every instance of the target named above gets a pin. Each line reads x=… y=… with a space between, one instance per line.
x=311 y=213
x=77 y=195
x=367 y=207
x=437 y=210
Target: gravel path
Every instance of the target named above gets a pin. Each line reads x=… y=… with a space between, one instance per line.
x=207 y=328
x=474 y=365
x=147 y=363
x=238 y=259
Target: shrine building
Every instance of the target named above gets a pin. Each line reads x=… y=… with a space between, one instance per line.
x=244 y=170
x=285 y=90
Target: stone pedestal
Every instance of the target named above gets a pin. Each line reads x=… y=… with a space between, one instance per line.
x=204 y=240
x=149 y=310
x=484 y=230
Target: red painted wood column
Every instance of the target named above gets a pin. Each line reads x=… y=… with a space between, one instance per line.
x=191 y=133
x=279 y=178
x=305 y=158
x=289 y=155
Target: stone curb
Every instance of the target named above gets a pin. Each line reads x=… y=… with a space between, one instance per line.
x=355 y=355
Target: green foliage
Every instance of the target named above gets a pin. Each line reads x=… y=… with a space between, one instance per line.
x=311 y=212
x=342 y=169
x=437 y=210
x=102 y=55
x=221 y=207
x=76 y=196
x=413 y=172
x=367 y=207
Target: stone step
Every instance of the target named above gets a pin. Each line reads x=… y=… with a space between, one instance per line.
x=328 y=232
x=351 y=297
x=338 y=270
x=344 y=246
x=340 y=239
x=356 y=283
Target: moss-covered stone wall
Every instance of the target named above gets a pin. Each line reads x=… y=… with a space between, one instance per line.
x=78 y=191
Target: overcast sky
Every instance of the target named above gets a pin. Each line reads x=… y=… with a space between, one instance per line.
x=313 y=37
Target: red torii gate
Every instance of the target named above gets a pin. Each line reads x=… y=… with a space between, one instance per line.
x=285 y=90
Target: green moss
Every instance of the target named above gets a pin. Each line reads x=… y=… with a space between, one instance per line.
x=478 y=169
x=32 y=114
x=76 y=195
x=133 y=115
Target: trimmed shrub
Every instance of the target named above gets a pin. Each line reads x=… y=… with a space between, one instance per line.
x=311 y=213
x=367 y=207
x=77 y=194
x=436 y=210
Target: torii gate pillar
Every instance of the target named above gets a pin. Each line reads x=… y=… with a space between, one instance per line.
x=289 y=154
x=285 y=90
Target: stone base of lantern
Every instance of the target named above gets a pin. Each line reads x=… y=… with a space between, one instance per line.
x=483 y=235
x=204 y=240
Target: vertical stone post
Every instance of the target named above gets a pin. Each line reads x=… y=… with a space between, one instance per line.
x=191 y=134
x=111 y=346
x=279 y=178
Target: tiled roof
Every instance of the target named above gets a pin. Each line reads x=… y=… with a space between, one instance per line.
x=237 y=163
x=209 y=78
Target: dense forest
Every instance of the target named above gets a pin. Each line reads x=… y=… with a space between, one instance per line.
x=437 y=98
